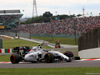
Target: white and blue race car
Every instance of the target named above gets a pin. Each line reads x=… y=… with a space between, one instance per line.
x=36 y=54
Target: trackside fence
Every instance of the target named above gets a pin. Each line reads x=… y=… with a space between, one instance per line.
x=57 y=35
x=29 y=35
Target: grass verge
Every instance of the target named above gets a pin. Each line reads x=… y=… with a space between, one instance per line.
x=51 y=71
x=10 y=43
x=69 y=41
x=4 y=58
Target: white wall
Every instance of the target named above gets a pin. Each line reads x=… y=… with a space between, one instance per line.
x=90 y=53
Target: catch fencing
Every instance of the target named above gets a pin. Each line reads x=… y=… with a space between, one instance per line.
x=57 y=35
x=29 y=35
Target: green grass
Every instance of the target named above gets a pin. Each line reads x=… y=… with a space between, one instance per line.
x=69 y=41
x=10 y=43
x=50 y=71
x=4 y=58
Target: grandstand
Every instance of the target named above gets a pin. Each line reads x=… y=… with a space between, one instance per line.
x=9 y=18
x=63 y=27
x=68 y=28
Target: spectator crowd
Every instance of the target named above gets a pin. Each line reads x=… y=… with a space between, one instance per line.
x=66 y=26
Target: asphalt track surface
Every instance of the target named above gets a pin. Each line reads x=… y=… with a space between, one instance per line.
x=53 y=65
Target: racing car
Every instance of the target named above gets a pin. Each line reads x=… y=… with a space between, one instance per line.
x=21 y=50
x=37 y=54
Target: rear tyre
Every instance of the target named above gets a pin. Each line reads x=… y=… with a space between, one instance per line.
x=49 y=57
x=69 y=54
x=15 y=58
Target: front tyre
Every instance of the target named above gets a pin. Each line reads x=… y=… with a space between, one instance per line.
x=49 y=57
x=33 y=61
x=15 y=58
x=69 y=54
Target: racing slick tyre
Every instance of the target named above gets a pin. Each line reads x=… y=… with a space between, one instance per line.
x=33 y=61
x=49 y=57
x=15 y=58
x=77 y=58
x=69 y=54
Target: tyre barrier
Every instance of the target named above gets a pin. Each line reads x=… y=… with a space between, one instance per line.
x=5 y=50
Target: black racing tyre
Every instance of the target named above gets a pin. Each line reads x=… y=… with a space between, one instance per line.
x=69 y=54
x=77 y=58
x=15 y=58
x=49 y=57
x=33 y=61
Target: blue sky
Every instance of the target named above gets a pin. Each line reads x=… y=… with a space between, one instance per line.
x=54 y=6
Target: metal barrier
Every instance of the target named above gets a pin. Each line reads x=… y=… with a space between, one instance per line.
x=1 y=43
